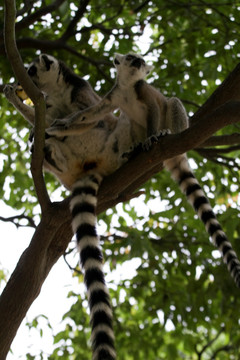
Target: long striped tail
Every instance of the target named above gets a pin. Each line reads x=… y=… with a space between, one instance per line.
x=189 y=185
x=83 y=207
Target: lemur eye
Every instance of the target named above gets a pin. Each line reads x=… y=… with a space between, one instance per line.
x=116 y=62
x=32 y=70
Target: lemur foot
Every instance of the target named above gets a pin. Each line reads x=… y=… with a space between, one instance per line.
x=146 y=145
x=154 y=139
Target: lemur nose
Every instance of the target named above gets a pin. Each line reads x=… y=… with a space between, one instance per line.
x=137 y=62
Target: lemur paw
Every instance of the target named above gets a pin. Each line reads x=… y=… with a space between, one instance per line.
x=154 y=139
x=10 y=92
x=59 y=126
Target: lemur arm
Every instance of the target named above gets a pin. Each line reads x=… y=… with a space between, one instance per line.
x=153 y=116
x=83 y=120
x=156 y=109
x=175 y=120
x=27 y=111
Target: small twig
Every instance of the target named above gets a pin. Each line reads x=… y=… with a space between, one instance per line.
x=200 y=353
x=19 y=217
x=74 y=269
x=225 y=348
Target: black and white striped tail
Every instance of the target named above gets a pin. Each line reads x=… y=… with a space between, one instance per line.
x=83 y=207
x=189 y=185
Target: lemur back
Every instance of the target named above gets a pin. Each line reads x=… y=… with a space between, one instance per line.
x=152 y=115
x=80 y=162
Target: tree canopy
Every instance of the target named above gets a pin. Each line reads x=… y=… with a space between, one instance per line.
x=181 y=303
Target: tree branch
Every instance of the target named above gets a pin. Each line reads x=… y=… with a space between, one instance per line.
x=200 y=353
x=222 y=140
x=13 y=219
x=225 y=348
x=37 y=98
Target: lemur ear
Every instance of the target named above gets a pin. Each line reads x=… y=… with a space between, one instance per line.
x=149 y=68
x=117 y=59
x=45 y=61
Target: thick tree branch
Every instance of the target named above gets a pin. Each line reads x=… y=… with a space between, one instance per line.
x=37 y=98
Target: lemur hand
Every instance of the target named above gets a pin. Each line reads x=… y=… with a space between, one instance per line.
x=10 y=92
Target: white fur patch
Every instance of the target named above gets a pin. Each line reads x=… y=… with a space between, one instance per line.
x=88 y=240
x=78 y=199
x=83 y=218
x=92 y=264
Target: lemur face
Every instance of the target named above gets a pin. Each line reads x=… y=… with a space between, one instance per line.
x=131 y=67
x=43 y=71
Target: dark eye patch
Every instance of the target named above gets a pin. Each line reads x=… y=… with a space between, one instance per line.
x=32 y=70
x=47 y=61
x=116 y=62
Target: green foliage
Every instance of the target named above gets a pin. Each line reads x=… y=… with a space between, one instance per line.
x=180 y=302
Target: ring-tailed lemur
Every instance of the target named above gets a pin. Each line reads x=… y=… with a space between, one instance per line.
x=153 y=114
x=80 y=162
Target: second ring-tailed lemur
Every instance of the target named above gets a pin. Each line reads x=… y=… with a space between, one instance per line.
x=80 y=162
x=151 y=114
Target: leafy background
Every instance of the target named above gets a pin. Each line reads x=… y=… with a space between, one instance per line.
x=181 y=302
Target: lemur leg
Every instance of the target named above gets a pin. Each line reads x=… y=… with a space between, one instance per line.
x=176 y=116
x=27 y=111
x=81 y=121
